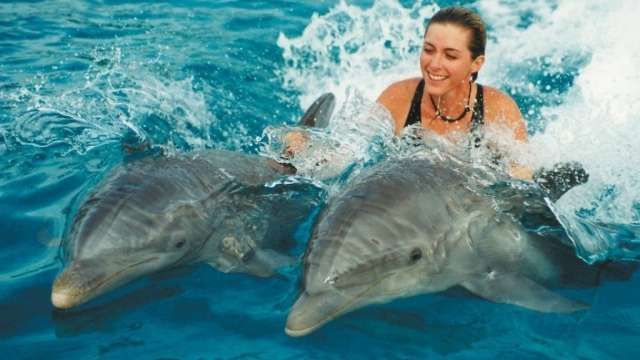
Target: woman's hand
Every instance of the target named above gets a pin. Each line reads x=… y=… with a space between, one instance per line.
x=294 y=142
x=520 y=172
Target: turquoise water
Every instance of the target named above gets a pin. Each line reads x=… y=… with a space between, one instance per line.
x=78 y=79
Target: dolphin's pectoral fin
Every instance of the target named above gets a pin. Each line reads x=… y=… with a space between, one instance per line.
x=256 y=261
x=266 y=261
x=561 y=178
x=521 y=291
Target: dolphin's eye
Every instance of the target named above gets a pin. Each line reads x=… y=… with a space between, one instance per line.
x=415 y=255
x=180 y=243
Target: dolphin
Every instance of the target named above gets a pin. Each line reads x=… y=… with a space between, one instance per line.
x=157 y=212
x=161 y=212
x=419 y=225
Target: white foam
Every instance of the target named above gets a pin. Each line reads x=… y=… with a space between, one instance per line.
x=363 y=48
x=598 y=120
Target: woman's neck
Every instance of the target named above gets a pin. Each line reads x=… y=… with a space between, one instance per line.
x=454 y=101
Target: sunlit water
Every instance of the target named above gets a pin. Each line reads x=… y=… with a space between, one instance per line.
x=78 y=80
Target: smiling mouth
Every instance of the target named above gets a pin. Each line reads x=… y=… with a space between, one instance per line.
x=436 y=77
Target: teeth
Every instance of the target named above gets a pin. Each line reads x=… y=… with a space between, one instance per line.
x=437 y=77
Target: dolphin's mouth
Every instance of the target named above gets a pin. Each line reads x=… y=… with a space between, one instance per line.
x=312 y=311
x=73 y=287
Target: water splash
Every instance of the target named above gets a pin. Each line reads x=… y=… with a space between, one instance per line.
x=350 y=46
x=356 y=135
x=594 y=124
x=117 y=96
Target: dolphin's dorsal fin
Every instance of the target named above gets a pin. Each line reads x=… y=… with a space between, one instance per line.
x=319 y=113
x=521 y=291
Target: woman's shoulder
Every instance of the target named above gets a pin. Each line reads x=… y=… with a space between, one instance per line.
x=499 y=105
x=493 y=94
x=501 y=109
x=399 y=90
x=397 y=97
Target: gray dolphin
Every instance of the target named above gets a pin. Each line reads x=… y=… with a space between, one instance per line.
x=159 y=212
x=417 y=225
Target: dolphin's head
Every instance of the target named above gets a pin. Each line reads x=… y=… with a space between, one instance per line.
x=397 y=273
x=378 y=241
x=120 y=236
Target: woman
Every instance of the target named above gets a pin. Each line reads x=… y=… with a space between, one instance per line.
x=446 y=99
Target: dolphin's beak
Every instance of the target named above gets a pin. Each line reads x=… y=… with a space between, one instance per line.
x=76 y=285
x=81 y=282
x=63 y=299
x=312 y=311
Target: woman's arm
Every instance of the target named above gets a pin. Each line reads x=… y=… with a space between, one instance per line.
x=502 y=110
x=294 y=142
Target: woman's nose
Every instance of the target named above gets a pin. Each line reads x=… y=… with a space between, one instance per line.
x=435 y=62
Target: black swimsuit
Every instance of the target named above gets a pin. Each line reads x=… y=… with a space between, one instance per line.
x=477 y=117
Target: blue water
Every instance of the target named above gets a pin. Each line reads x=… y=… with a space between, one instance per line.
x=78 y=79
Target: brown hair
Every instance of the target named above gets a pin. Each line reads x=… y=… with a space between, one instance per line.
x=466 y=19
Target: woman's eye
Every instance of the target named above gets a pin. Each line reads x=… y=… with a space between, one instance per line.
x=451 y=57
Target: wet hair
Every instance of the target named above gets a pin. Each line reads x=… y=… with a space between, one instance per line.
x=465 y=19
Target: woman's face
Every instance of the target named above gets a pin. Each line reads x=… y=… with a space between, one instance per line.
x=446 y=60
